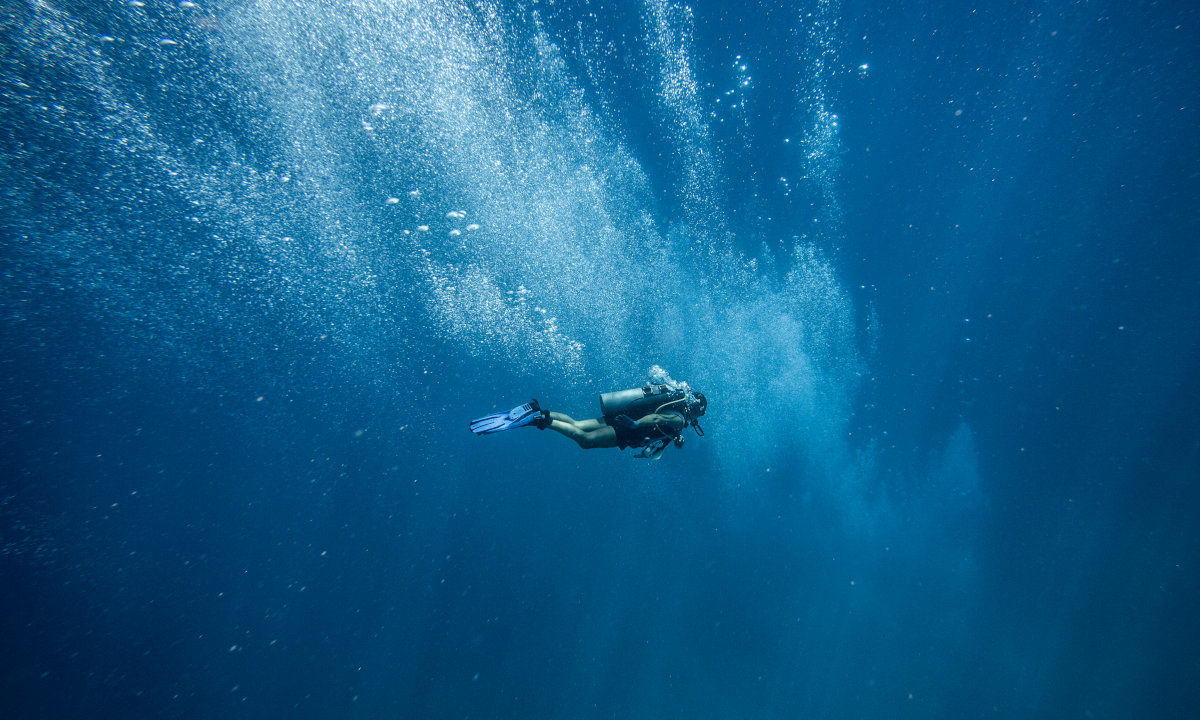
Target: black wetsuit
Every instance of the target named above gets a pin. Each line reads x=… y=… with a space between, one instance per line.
x=642 y=435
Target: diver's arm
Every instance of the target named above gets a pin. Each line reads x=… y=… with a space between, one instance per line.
x=667 y=422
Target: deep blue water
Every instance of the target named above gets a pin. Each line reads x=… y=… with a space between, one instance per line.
x=935 y=266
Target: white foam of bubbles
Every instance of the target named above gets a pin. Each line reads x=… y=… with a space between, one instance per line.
x=822 y=144
x=483 y=113
x=659 y=375
x=574 y=276
x=670 y=34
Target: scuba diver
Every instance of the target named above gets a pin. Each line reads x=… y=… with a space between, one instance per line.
x=662 y=410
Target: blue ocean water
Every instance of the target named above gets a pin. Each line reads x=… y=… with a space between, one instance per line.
x=935 y=267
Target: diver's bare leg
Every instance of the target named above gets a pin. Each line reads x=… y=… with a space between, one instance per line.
x=586 y=425
x=588 y=434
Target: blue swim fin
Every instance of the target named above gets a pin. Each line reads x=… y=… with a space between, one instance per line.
x=529 y=414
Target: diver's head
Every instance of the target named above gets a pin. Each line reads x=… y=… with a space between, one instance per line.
x=701 y=405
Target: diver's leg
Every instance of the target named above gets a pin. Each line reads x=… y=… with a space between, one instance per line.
x=588 y=434
x=586 y=425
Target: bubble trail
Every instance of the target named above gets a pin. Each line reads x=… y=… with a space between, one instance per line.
x=379 y=173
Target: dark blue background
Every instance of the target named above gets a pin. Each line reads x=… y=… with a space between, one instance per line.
x=173 y=545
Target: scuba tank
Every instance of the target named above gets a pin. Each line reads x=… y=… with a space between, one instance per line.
x=655 y=398
x=639 y=402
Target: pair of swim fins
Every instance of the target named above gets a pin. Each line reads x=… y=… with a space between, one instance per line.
x=528 y=414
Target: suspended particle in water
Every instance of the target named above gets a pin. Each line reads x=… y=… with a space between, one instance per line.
x=392 y=200
x=422 y=228
x=472 y=227
x=455 y=232
x=414 y=193
x=166 y=41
